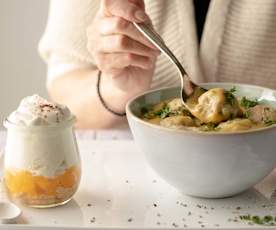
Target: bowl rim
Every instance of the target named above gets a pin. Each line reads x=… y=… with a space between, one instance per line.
x=191 y=132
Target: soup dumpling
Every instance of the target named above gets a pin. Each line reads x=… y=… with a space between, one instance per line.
x=237 y=124
x=214 y=107
x=177 y=121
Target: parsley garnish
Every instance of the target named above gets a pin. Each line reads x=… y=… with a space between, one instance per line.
x=233 y=89
x=164 y=112
x=246 y=103
x=266 y=220
x=229 y=95
x=269 y=122
x=247 y=114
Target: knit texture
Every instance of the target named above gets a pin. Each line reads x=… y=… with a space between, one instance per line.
x=238 y=42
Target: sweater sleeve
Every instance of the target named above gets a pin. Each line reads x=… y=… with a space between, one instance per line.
x=63 y=44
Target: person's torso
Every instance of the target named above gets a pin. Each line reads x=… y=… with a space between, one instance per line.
x=237 y=45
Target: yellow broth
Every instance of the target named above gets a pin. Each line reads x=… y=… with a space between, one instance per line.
x=215 y=110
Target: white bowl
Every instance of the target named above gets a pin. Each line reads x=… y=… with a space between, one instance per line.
x=204 y=164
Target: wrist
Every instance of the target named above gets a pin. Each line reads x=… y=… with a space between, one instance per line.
x=113 y=98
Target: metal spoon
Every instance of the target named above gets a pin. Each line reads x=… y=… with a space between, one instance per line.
x=188 y=87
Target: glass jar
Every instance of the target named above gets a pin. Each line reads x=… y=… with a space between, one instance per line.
x=42 y=164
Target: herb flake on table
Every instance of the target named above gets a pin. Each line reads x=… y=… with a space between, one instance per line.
x=175 y=225
x=93 y=220
x=267 y=220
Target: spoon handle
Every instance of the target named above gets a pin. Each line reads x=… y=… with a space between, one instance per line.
x=155 y=38
x=187 y=86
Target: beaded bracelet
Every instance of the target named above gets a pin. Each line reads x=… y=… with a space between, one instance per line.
x=102 y=100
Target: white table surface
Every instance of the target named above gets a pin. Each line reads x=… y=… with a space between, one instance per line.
x=118 y=190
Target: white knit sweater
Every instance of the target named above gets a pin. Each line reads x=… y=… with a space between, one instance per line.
x=238 y=42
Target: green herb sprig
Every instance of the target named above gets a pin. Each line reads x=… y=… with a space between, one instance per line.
x=269 y=122
x=164 y=112
x=246 y=103
x=266 y=220
x=229 y=95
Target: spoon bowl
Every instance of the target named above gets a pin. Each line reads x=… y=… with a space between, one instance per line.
x=9 y=212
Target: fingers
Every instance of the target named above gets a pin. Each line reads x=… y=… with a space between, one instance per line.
x=139 y=3
x=123 y=44
x=110 y=62
x=116 y=25
x=129 y=10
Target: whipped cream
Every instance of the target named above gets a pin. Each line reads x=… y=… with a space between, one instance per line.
x=45 y=152
x=37 y=111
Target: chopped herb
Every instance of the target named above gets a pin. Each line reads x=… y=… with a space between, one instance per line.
x=229 y=96
x=246 y=103
x=180 y=111
x=266 y=220
x=164 y=112
x=93 y=220
x=247 y=217
x=269 y=122
x=233 y=89
x=257 y=220
x=247 y=114
x=175 y=225
x=184 y=205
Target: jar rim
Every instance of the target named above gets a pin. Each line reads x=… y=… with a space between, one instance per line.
x=8 y=124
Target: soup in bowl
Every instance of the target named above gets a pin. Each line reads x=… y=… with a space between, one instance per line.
x=207 y=159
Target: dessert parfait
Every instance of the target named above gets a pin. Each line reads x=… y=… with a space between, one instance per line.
x=42 y=164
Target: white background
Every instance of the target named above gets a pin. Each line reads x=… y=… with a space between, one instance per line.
x=22 y=72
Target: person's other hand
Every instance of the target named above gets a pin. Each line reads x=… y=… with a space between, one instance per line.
x=121 y=52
